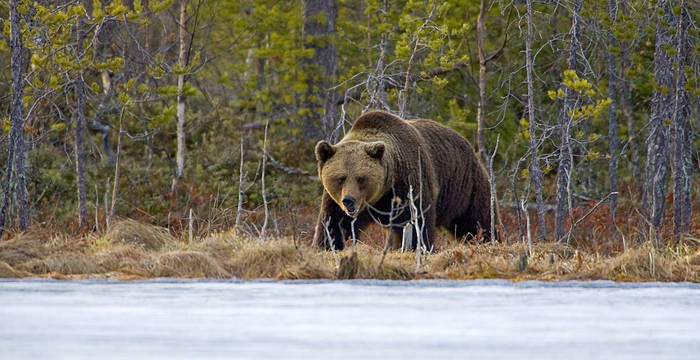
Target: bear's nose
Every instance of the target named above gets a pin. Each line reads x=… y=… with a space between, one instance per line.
x=349 y=202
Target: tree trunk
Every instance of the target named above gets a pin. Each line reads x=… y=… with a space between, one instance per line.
x=613 y=127
x=480 y=142
x=115 y=186
x=377 y=99
x=626 y=105
x=565 y=160
x=262 y=185
x=17 y=118
x=7 y=185
x=682 y=151
x=377 y=91
x=493 y=204
x=535 y=171
x=320 y=36
x=182 y=62
x=96 y=124
x=80 y=130
x=656 y=171
x=403 y=94
x=241 y=177
x=518 y=212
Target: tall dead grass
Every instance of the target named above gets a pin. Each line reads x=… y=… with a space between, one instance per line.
x=132 y=250
x=132 y=232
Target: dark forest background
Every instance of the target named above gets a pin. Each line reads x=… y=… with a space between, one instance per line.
x=203 y=114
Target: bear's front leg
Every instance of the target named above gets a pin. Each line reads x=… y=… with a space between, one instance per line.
x=427 y=224
x=333 y=225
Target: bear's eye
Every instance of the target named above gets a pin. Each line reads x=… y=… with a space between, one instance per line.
x=361 y=180
x=340 y=180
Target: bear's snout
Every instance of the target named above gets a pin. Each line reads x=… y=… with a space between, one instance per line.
x=349 y=203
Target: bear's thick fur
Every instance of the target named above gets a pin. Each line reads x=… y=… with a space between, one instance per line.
x=379 y=160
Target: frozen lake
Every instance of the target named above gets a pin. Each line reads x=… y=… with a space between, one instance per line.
x=485 y=319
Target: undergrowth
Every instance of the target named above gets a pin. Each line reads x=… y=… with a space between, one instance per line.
x=133 y=250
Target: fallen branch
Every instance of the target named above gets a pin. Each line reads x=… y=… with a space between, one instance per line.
x=289 y=170
x=529 y=206
x=568 y=234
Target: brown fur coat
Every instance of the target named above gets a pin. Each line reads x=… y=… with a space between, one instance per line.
x=448 y=181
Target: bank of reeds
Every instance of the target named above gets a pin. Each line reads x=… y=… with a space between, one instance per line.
x=132 y=250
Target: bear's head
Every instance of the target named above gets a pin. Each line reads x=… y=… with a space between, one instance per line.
x=354 y=173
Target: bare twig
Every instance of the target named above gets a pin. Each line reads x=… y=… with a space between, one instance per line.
x=105 y=199
x=527 y=224
x=241 y=177
x=97 y=210
x=264 y=194
x=390 y=230
x=117 y=161
x=326 y=224
x=191 y=225
x=417 y=224
x=352 y=233
x=294 y=230
x=568 y=234
x=403 y=95
x=492 y=184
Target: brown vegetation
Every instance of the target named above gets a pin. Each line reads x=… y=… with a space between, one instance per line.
x=129 y=251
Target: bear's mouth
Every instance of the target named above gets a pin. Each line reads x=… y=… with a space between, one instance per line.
x=353 y=212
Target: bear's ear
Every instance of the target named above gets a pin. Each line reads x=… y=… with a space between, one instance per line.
x=324 y=151
x=375 y=149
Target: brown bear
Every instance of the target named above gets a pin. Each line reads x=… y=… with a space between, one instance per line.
x=370 y=171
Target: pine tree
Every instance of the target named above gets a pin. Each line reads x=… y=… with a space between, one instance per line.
x=16 y=146
x=319 y=34
x=80 y=127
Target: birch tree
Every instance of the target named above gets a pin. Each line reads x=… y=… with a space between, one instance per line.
x=181 y=65
x=565 y=119
x=480 y=142
x=535 y=171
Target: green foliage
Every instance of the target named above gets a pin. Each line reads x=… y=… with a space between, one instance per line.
x=248 y=63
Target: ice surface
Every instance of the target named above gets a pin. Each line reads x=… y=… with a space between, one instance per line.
x=485 y=319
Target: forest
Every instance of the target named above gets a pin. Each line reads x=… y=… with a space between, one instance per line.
x=191 y=125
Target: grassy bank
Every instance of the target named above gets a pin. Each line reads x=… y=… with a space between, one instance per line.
x=131 y=250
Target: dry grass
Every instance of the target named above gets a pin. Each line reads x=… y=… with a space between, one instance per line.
x=23 y=247
x=124 y=259
x=132 y=250
x=188 y=264
x=70 y=263
x=6 y=271
x=132 y=232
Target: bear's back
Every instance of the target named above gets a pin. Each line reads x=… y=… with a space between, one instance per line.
x=382 y=126
x=458 y=170
x=378 y=120
x=444 y=142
